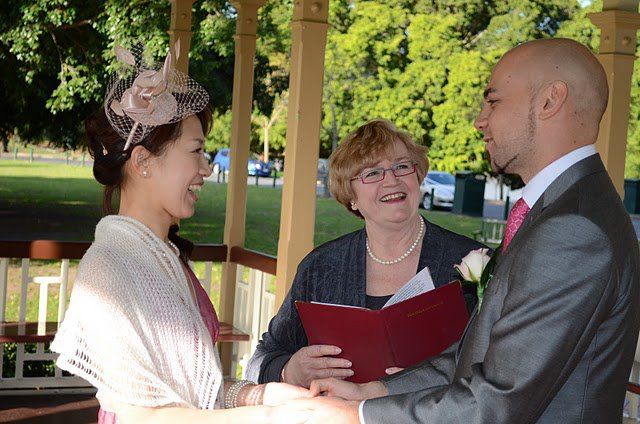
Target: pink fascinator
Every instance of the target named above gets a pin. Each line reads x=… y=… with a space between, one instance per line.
x=143 y=96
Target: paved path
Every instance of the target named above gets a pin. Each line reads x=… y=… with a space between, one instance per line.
x=268 y=182
x=47 y=159
x=251 y=180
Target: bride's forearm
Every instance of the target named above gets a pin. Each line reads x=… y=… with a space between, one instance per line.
x=134 y=414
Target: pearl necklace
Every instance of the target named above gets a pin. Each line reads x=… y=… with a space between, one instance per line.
x=404 y=255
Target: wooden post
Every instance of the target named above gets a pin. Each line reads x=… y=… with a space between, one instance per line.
x=297 y=218
x=180 y=30
x=234 y=225
x=618 y=22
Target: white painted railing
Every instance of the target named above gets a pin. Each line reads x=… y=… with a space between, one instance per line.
x=19 y=380
x=253 y=309
x=631 y=402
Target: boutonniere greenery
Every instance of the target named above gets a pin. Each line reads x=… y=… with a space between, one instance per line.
x=477 y=269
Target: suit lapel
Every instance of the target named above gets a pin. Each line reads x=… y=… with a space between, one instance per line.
x=566 y=180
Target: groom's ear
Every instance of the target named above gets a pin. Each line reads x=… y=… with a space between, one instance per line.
x=553 y=98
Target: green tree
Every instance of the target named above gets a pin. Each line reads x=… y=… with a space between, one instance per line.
x=272 y=128
x=423 y=64
x=220 y=134
x=45 y=68
x=57 y=54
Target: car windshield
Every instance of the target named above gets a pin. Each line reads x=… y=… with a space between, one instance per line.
x=443 y=178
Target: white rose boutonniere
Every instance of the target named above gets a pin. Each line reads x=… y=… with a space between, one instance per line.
x=476 y=268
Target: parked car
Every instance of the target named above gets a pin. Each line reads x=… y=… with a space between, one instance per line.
x=220 y=161
x=254 y=165
x=443 y=185
x=259 y=167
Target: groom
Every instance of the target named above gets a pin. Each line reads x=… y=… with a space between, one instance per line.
x=556 y=334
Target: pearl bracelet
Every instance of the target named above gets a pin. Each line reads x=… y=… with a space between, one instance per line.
x=231 y=397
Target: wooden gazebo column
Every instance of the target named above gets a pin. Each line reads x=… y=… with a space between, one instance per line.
x=234 y=224
x=618 y=22
x=297 y=218
x=180 y=30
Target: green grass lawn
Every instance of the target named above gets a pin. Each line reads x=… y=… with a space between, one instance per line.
x=55 y=201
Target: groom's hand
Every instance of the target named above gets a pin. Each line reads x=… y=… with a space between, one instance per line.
x=279 y=393
x=347 y=390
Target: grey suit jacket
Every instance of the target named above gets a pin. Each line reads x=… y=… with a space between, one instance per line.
x=555 y=338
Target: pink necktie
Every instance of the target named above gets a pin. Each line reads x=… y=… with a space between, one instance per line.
x=514 y=221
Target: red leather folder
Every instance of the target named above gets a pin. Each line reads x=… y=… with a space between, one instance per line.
x=399 y=335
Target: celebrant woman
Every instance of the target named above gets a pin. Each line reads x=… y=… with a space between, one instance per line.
x=375 y=173
x=140 y=327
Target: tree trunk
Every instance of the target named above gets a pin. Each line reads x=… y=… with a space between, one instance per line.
x=266 y=143
x=334 y=129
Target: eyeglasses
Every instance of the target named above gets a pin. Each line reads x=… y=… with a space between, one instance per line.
x=375 y=175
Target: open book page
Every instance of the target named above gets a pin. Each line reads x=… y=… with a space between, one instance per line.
x=337 y=304
x=420 y=283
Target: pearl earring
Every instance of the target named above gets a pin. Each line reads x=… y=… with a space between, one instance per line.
x=353 y=206
x=145 y=173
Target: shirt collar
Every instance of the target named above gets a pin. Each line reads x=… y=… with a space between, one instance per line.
x=543 y=179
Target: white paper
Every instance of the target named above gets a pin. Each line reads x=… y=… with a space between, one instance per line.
x=420 y=283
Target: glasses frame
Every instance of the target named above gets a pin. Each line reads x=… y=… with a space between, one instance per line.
x=384 y=172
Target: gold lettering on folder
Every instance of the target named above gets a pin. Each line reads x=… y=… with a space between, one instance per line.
x=423 y=310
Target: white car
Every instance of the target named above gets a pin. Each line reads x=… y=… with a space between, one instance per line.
x=443 y=186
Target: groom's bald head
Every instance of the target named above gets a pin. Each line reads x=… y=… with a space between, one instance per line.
x=560 y=59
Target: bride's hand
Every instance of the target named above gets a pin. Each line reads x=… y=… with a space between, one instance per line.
x=279 y=393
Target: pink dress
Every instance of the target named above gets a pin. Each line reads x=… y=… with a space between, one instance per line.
x=209 y=317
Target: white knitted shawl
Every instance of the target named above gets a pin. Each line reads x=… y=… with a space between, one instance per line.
x=133 y=329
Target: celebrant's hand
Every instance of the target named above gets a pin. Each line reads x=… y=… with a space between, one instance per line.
x=314 y=362
x=279 y=393
x=348 y=390
x=393 y=370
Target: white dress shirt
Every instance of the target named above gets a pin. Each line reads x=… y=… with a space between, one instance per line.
x=543 y=179
x=534 y=189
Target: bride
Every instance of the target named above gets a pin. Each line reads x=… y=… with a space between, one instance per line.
x=140 y=327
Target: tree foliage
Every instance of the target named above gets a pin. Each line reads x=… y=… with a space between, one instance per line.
x=56 y=56
x=420 y=63
x=423 y=64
